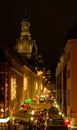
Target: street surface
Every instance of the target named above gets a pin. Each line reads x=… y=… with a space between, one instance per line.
x=57 y=128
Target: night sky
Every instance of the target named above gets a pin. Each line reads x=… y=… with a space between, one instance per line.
x=52 y=23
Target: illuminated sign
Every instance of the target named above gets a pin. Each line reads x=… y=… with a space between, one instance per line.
x=4 y=120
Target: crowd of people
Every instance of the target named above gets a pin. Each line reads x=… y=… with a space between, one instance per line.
x=37 y=124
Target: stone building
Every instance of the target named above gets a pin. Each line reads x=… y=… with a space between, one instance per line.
x=66 y=82
x=18 y=78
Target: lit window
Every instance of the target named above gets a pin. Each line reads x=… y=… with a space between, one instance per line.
x=25 y=83
x=13 y=88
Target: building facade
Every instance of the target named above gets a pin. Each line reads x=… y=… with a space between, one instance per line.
x=18 y=79
x=66 y=82
x=17 y=83
x=20 y=75
x=11 y=81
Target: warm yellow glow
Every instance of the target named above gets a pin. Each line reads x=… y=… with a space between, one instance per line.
x=43 y=77
x=60 y=113
x=6 y=109
x=45 y=89
x=41 y=86
x=49 y=82
x=43 y=96
x=2 y=110
x=32 y=118
x=13 y=88
x=63 y=115
x=36 y=86
x=25 y=83
x=39 y=73
x=4 y=120
x=20 y=47
x=32 y=112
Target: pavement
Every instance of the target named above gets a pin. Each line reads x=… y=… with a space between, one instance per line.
x=55 y=127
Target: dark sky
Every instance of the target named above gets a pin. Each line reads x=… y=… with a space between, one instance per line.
x=51 y=23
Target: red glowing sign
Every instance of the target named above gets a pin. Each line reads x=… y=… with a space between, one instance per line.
x=66 y=122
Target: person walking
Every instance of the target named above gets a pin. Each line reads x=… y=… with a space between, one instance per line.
x=21 y=127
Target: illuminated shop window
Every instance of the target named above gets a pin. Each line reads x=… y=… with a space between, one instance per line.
x=36 y=86
x=1 y=114
x=2 y=109
x=41 y=86
x=25 y=83
x=13 y=88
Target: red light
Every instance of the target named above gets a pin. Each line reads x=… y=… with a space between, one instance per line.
x=25 y=106
x=66 y=122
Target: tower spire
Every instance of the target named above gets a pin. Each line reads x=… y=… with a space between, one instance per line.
x=25 y=44
x=25 y=18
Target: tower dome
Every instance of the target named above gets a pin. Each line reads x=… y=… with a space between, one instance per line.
x=24 y=44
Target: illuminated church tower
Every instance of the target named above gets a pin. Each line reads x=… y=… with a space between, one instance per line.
x=24 y=44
